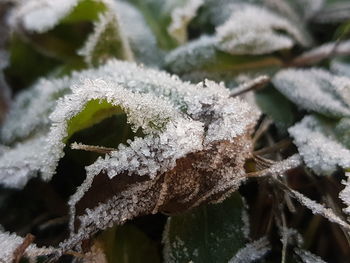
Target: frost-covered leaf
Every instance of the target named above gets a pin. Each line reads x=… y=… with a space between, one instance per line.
x=180 y=18
x=21 y=162
x=200 y=58
x=254 y=30
x=252 y=252
x=207 y=234
x=41 y=16
x=318 y=146
x=141 y=39
x=315 y=90
x=11 y=242
x=107 y=40
x=333 y=12
x=157 y=15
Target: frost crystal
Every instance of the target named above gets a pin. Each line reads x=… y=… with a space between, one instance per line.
x=10 y=242
x=40 y=16
x=252 y=251
x=253 y=30
x=320 y=151
x=307 y=256
x=180 y=17
x=315 y=90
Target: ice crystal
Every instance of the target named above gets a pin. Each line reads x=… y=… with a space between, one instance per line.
x=320 y=151
x=10 y=242
x=315 y=90
x=180 y=17
x=252 y=251
x=40 y=16
x=253 y=30
x=307 y=256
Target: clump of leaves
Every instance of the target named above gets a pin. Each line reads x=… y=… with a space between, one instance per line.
x=149 y=131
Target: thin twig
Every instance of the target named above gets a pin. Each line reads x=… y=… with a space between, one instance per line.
x=276 y=147
x=254 y=84
x=91 y=148
x=19 y=251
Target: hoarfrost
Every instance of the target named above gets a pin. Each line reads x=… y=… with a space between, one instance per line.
x=307 y=256
x=9 y=244
x=163 y=98
x=315 y=90
x=253 y=30
x=320 y=152
x=180 y=18
x=252 y=251
x=143 y=111
x=281 y=167
x=319 y=209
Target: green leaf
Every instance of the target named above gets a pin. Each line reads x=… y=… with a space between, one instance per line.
x=21 y=71
x=211 y=233
x=277 y=107
x=86 y=10
x=94 y=112
x=127 y=244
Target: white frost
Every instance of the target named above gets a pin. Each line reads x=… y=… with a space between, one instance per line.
x=9 y=243
x=252 y=251
x=253 y=30
x=40 y=16
x=320 y=151
x=315 y=90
